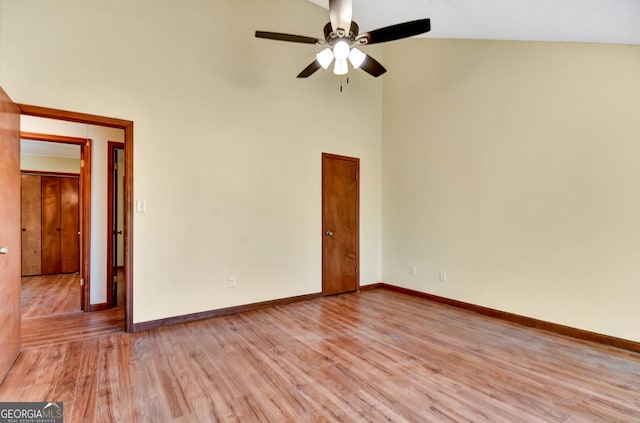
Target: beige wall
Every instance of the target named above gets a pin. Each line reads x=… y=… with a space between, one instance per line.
x=513 y=166
x=99 y=136
x=49 y=164
x=228 y=143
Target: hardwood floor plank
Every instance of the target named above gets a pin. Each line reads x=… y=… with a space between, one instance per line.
x=50 y=295
x=65 y=388
x=71 y=327
x=84 y=404
x=371 y=356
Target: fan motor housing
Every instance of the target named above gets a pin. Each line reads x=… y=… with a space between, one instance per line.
x=330 y=36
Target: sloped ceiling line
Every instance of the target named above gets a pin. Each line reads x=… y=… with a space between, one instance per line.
x=589 y=21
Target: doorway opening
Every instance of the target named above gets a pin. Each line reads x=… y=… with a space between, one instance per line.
x=127 y=127
x=56 y=230
x=115 y=217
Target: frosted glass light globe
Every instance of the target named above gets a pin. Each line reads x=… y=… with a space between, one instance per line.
x=356 y=57
x=341 y=50
x=325 y=57
x=340 y=68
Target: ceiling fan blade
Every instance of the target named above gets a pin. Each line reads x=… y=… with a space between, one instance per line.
x=288 y=37
x=310 y=70
x=372 y=66
x=340 y=13
x=395 y=32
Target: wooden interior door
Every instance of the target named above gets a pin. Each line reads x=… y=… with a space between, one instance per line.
x=9 y=233
x=51 y=263
x=340 y=224
x=60 y=225
x=31 y=212
x=69 y=225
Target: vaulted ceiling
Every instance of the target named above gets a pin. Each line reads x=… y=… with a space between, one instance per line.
x=596 y=21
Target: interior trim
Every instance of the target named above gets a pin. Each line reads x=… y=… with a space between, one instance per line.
x=523 y=320
x=372 y=286
x=127 y=126
x=99 y=307
x=47 y=173
x=154 y=324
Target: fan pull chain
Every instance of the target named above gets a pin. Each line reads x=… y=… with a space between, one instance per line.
x=341 y=83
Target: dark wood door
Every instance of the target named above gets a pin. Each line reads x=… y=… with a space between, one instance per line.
x=9 y=233
x=31 y=212
x=69 y=225
x=60 y=225
x=51 y=262
x=340 y=224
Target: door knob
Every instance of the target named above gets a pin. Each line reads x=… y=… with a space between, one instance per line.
x=4 y=250
x=328 y=233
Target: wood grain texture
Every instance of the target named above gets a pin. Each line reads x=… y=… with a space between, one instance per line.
x=522 y=320
x=50 y=223
x=128 y=226
x=76 y=326
x=186 y=318
x=51 y=263
x=50 y=295
x=371 y=356
x=10 y=234
x=340 y=224
x=31 y=216
x=51 y=312
x=69 y=225
x=52 y=138
x=85 y=224
x=47 y=173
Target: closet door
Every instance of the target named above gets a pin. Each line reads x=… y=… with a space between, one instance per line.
x=31 y=225
x=51 y=262
x=70 y=225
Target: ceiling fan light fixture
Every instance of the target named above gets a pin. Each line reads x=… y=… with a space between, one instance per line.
x=356 y=57
x=325 y=57
x=341 y=50
x=341 y=67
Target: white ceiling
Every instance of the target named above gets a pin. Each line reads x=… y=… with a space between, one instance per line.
x=49 y=149
x=593 y=21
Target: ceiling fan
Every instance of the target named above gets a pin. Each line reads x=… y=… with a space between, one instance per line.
x=341 y=40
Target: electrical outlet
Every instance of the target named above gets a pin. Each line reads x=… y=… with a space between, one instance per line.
x=232 y=282
x=443 y=275
x=412 y=270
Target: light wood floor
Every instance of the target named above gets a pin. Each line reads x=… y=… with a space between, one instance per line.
x=51 y=311
x=373 y=356
x=50 y=295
